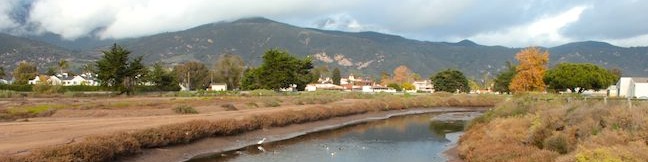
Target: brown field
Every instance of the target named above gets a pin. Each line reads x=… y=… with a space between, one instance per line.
x=551 y=128
x=103 y=129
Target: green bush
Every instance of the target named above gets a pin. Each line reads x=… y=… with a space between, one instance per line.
x=7 y=93
x=47 y=89
x=557 y=142
x=15 y=87
x=185 y=109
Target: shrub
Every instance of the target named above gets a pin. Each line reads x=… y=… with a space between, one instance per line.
x=7 y=93
x=263 y=92
x=271 y=102
x=47 y=89
x=557 y=142
x=229 y=107
x=185 y=109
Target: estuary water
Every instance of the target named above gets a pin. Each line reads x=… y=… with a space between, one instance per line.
x=411 y=138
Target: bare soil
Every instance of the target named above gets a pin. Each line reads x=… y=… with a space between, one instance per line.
x=83 y=117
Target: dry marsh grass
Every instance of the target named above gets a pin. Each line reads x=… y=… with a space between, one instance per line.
x=111 y=147
x=550 y=128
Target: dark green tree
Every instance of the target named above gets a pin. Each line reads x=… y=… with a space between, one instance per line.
x=450 y=81
x=578 y=77
x=229 y=69
x=193 y=74
x=51 y=71
x=279 y=70
x=24 y=72
x=395 y=86
x=336 y=76
x=163 y=78
x=250 y=79
x=2 y=72
x=114 y=70
x=504 y=79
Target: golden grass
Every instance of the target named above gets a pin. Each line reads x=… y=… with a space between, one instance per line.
x=111 y=147
x=557 y=130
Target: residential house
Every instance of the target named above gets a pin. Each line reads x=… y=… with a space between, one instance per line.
x=218 y=87
x=378 y=88
x=2 y=81
x=424 y=86
x=632 y=87
x=38 y=79
x=351 y=83
x=323 y=86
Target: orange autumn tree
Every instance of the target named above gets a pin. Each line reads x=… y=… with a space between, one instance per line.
x=530 y=72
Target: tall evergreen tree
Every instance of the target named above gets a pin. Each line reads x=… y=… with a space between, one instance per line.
x=2 y=72
x=336 y=76
x=114 y=70
x=279 y=70
x=163 y=79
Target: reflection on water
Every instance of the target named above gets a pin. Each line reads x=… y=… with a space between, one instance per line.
x=407 y=138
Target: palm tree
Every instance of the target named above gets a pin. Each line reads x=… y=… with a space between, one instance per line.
x=63 y=65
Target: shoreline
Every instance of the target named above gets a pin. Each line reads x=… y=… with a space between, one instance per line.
x=213 y=145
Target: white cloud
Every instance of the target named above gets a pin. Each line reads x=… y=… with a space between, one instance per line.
x=544 y=31
x=636 y=41
x=5 y=8
x=346 y=22
x=132 y=18
x=501 y=22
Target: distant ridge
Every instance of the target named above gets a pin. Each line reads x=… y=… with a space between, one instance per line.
x=362 y=53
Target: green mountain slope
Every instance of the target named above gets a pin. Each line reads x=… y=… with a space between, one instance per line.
x=364 y=53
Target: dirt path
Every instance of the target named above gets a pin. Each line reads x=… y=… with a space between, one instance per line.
x=21 y=137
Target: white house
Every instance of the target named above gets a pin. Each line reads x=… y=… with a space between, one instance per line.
x=37 y=79
x=378 y=88
x=632 y=87
x=424 y=86
x=326 y=86
x=2 y=81
x=218 y=87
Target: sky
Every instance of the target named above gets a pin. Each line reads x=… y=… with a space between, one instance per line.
x=511 y=23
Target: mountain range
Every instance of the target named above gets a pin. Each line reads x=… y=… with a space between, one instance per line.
x=361 y=53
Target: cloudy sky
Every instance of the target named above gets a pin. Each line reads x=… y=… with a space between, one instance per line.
x=513 y=23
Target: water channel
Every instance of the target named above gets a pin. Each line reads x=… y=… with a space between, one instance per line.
x=411 y=138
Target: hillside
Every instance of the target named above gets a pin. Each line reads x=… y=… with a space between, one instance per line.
x=15 y=49
x=364 y=53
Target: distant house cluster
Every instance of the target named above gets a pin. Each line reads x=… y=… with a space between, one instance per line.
x=359 y=84
x=87 y=79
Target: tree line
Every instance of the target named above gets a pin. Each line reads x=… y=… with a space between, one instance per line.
x=117 y=71
x=532 y=74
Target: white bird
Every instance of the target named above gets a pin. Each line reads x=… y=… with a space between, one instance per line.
x=364 y=148
x=261 y=148
x=260 y=142
x=332 y=153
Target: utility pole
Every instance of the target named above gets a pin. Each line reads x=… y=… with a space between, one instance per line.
x=188 y=80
